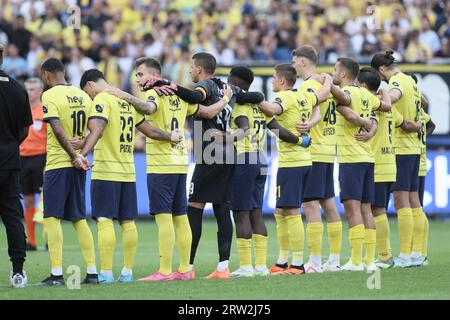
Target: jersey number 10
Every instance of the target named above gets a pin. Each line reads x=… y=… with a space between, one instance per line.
x=78 y=122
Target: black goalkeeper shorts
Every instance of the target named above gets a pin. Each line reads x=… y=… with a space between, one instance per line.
x=212 y=183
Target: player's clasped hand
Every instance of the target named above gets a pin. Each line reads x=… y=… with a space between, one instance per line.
x=227 y=92
x=77 y=143
x=175 y=136
x=81 y=163
x=362 y=136
x=303 y=126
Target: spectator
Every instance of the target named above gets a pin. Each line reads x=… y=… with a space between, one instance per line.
x=21 y=36
x=416 y=51
x=224 y=56
x=13 y=64
x=79 y=63
x=35 y=56
x=96 y=44
x=110 y=67
x=96 y=19
x=153 y=47
x=403 y=23
x=50 y=29
x=444 y=52
x=364 y=37
x=429 y=37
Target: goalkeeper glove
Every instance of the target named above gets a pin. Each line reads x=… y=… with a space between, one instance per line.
x=304 y=140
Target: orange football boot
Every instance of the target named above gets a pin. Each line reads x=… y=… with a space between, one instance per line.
x=219 y=275
x=277 y=269
x=293 y=270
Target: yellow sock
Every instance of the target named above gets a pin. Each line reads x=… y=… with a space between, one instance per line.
x=296 y=238
x=417 y=239
x=129 y=241
x=166 y=242
x=426 y=228
x=86 y=241
x=370 y=241
x=106 y=243
x=283 y=238
x=356 y=237
x=334 y=230
x=53 y=230
x=405 y=229
x=383 y=237
x=244 y=249
x=184 y=241
x=260 y=247
x=314 y=235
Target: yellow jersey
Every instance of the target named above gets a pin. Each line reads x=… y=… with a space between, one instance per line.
x=295 y=106
x=350 y=150
x=113 y=153
x=72 y=106
x=408 y=106
x=164 y=156
x=383 y=145
x=323 y=134
x=424 y=118
x=257 y=120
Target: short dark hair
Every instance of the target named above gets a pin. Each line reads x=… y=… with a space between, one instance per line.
x=370 y=78
x=91 y=75
x=383 y=59
x=149 y=62
x=307 y=52
x=243 y=73
x=206 y=61
x=287 y=71
x=52 y=65
x=351 y=65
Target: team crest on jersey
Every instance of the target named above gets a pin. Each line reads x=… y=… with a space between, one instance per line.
x=151 y=99
x=45 y=109
x=310 y=90
x=99 y=108
x=396 y=84
x=347 y=92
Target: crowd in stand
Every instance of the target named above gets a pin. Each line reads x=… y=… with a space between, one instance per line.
x=113 y=33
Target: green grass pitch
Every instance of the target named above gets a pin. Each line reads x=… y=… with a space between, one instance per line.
x=431 y=282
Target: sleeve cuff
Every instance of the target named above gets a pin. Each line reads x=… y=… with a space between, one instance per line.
x=50 y=118
x=196 y=110
x=99 y=118
x=140 y=122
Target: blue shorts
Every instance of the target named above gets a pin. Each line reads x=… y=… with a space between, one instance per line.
x=114 y=200
x=356 y=181
x=64 y=194
x=167 y=193
x=407 y=173
x=320 y=183
x=248 y=185
x=421 y=189
x=382 y=194
x=291 y=186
